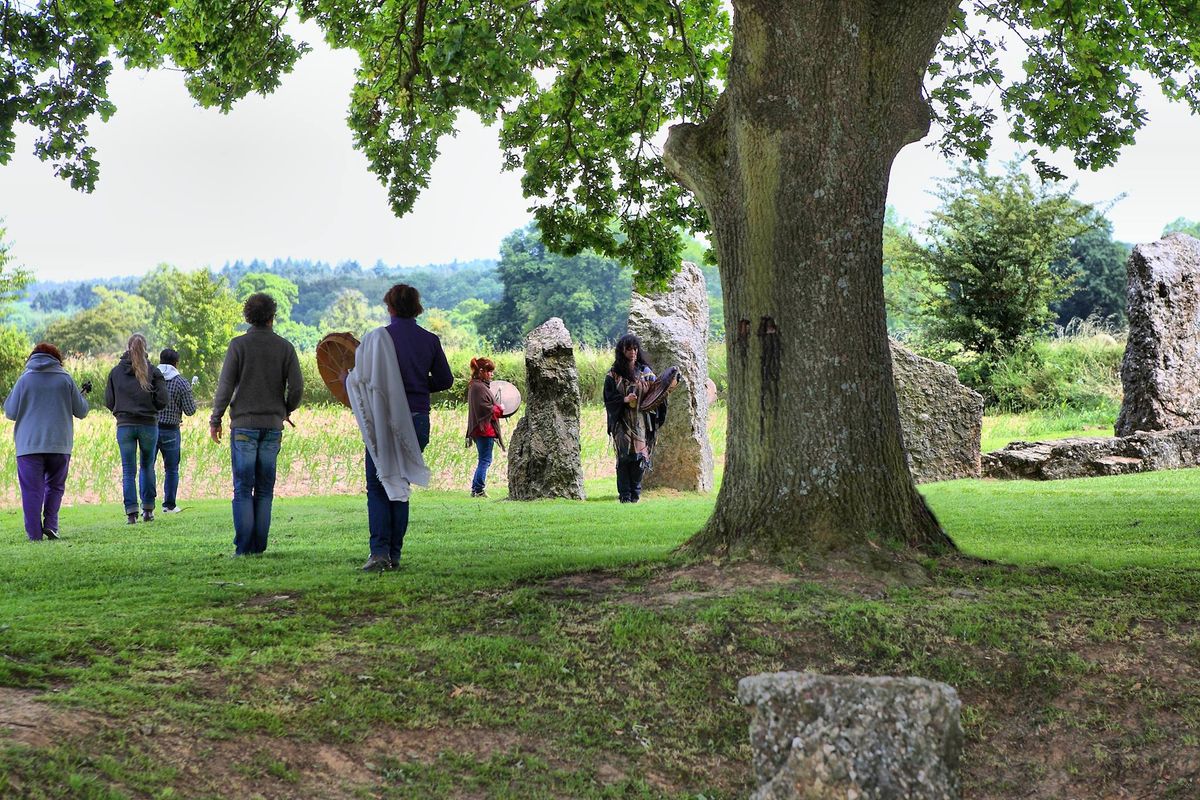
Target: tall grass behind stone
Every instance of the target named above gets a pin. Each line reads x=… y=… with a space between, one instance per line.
x=1078 y=369
x=322 y=455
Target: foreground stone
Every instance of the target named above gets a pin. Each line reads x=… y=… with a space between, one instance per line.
x=1161 y=369
x=940 y=418
x=1145 y=451
x=543 y=456
x=673 y=327
x=821 y=737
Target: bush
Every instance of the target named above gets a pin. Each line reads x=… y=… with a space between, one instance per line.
x=1078 y=368
x=1076 y=372
x=14 y=350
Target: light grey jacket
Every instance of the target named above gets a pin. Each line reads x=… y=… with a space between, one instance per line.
x=43 y=403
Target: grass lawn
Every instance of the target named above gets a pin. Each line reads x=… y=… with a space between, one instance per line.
x=560 y=649
x=1038 y=426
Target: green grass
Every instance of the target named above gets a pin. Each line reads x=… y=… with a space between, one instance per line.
x=560 y=649
x=1147 y=520
x=1000 y=428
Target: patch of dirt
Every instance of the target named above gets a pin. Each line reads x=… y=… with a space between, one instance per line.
x=271 y=600
x=26 y=718
x=705 y=580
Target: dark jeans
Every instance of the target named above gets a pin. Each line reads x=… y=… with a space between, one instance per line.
x=169 y=446
x=387 y=519
x=43 y=479
x=629 y=477
x=483 y=446
x=254 y=452
x=138 y=444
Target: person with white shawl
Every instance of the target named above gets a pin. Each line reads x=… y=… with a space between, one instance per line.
x=396 y=367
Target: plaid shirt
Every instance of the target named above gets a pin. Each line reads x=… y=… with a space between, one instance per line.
x=180 y=402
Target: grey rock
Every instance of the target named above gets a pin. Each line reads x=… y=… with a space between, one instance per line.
x=820 y=737
x=673 y=327
x=940 y=419
x=543 y=456
x=1144 y=451
x=1161 y=369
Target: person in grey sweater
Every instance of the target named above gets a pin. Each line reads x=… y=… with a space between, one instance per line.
x=261 y=385
x=44 y=403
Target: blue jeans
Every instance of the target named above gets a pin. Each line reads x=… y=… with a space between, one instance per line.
x=254 y=452
x=169 y=445
x=483 y=446
x=387 y=519
x=138 y=444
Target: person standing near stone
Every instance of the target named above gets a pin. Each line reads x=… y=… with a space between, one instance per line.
x=135 y=393
x=261 y=385
x=396 y=368
x=483 y=421
x=631 y=428
x=44 y=403
x=179 y=402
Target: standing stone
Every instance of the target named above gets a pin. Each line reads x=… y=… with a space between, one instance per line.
x=543 y=456
x=940 y=419
x=821 y=737
x=1161 y=369
x=673 y=327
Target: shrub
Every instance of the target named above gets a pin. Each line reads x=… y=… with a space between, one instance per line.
x=1078 y=368
x=14 y=349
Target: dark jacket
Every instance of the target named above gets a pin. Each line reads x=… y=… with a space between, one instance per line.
x=423 y=364
x=129 y=402
x=260 y=381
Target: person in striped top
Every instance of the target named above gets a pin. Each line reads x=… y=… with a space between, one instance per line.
x=180 y=402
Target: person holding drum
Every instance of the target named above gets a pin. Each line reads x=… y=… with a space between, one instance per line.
x=483 y=420
x=632 y=422
x=396 y=368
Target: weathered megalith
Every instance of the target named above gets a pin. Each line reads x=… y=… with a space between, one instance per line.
x=1161 y=369
x=543 y=456
x=820 y=737
x=940 y=418
x=1090 y=457
x=673 y=327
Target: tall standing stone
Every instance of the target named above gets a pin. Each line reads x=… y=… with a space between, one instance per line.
x=673 y=327
x=543 y=456
x=940 y=419
x=1161 y=369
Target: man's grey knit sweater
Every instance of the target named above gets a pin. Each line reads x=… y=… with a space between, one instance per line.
x=261 y=377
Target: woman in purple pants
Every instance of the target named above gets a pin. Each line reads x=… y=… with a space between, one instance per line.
x=43 y=403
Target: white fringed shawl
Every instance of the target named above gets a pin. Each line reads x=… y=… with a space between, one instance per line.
x=376 y=391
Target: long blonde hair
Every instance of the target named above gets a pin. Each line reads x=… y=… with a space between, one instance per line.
x=140 y=360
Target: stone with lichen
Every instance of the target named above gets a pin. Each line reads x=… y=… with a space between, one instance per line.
x=821 y=737
x=544 y=454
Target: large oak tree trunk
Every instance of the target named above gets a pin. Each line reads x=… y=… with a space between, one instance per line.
x=793 y=170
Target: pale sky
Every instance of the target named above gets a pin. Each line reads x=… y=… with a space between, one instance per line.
x=278 y=177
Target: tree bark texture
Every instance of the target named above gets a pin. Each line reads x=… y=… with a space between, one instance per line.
x=793 y=170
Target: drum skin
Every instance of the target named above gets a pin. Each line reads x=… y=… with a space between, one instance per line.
x=335 y=356
x=507 y=397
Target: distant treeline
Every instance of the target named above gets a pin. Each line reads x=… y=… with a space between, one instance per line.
x=442 y=285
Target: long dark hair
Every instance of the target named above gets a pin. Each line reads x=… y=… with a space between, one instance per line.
x=621 y=363
x=139 y=360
